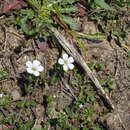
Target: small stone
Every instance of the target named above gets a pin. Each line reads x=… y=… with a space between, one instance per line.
x=16 y=94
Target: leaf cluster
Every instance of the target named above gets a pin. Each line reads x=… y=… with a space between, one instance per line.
x=3 y=74
x=43 y=13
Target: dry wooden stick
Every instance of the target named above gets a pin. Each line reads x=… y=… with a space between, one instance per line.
x=79 y=59
x=68 y=87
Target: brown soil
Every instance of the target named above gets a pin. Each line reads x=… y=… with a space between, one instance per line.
x=15 y=50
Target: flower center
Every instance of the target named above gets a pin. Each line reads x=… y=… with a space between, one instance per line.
x=66 y=62
x=34 y=68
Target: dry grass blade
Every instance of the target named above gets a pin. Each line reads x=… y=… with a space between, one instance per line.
x=79 y=59
x=68 y=87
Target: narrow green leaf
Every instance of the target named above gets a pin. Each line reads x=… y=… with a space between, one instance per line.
x=96 y=36
x=122 y=2
x=69 y=1
x=102 y=4
x=71 y=22
x=69 y=9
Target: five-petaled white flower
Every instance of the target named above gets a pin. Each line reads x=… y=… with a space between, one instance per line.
x=34 y=67
x=66 y=61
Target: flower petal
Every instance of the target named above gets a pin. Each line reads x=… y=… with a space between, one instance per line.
x=29 y=64
x=40 y=68
x=36 y=63
x=29 y=70
x=65 y=67
x=65 y=57
x=61 y=61
x=1 y=95
x=36 y=73
x=71 y=66
x=71 y=60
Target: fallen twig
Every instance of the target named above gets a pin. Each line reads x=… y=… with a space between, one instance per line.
x=68 y=87
x=79 y=59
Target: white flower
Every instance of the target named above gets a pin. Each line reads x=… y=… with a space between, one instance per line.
x=54 y=96
x=64 y=113
x=1 y=95
x=34 y=67
x=66 y=61
x=80 y=105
